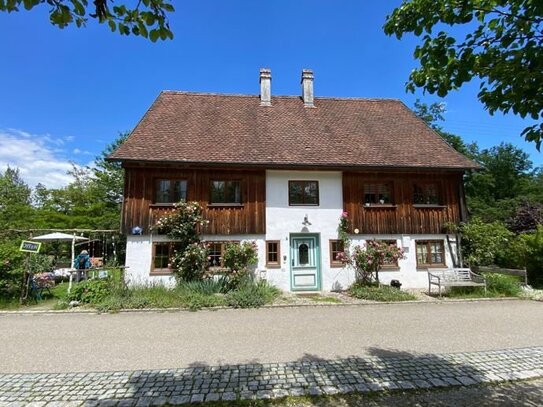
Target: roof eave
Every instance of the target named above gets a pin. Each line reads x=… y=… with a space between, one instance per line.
x=272 y=165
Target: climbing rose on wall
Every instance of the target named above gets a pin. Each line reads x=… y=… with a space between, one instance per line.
x=183 y=225
x=367 y=260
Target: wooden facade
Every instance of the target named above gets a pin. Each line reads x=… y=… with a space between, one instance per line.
x=399 y=216
x=249 y=217
x=402 y=215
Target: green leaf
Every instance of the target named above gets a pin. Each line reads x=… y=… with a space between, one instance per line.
x=154 y=35
x=112 y=25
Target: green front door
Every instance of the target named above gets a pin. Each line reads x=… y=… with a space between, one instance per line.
x=304 y=263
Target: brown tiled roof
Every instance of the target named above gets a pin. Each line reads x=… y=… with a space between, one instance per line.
x=235 y=129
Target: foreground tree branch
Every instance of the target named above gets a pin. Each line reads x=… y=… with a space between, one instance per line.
x=504 y=50
x=148 y=18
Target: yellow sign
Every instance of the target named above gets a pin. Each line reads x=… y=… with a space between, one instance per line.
x=30 y=247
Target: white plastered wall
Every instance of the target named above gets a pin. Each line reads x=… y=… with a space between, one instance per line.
x=407 y=273
x=139 y=255
x=283 y=220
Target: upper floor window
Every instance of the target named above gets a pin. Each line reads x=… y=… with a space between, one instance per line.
x=426 y=194
x=377 y=194
x=225 y=192
x=303 y=192
x=170 y=190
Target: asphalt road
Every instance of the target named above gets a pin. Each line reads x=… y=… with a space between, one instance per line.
x=130 y=341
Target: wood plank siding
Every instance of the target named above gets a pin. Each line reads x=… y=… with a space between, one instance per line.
x=247 y=218
x=402 y=215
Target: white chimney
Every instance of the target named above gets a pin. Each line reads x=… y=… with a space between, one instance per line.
x=307 y=87
x=265 y=87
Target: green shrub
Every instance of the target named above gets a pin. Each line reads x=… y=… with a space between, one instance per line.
x=515 y=254
x=252 y=295
x=483 y=242
x=208 y=287
x=192 y=295
x=534 y=256
x=237 y=259
x=11 y=271
x=195 y=301
x=90 y=291
x=502 y=285
x=374 y=293
x=497 y=285
x=191 y=264
x=40 y=263
x=190 y=259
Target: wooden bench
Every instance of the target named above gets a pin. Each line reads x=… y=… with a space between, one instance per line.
x=455 y=277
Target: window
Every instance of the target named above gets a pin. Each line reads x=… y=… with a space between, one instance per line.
x=430 y=253
x=375 y=194
x=170 y=190
x=389 y=263
x=336 y=247
x=273 y=253
x=216 y=253
x=303 y=255
x=216 y=250
x=426 y=194
x=162 y=254
x=225 y=192
x=303 y=192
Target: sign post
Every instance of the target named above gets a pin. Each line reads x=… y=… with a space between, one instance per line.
x=29 y=247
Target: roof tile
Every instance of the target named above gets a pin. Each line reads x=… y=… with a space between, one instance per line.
x=235 y=129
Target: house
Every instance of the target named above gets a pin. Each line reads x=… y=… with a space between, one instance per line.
x=280 y=170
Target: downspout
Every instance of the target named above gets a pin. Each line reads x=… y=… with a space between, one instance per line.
x=463 y=218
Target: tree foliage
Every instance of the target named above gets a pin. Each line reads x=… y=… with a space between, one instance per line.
x=527 y=218
x=503 y=47
x=506 y=178
x=483 y=241
x=147 y=18
x=14 y=199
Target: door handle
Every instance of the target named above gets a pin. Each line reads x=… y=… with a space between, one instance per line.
x=292 y=262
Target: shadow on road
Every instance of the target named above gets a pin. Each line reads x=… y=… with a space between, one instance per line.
x=310 y=375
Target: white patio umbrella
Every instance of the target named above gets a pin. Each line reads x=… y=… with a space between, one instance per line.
x=62 y=237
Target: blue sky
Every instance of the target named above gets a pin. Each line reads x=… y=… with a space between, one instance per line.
x=65 y=94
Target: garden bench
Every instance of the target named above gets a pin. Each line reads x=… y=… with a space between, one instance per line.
x=455 y=277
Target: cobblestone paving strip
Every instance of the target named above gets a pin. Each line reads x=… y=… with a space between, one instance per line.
x=384 y=370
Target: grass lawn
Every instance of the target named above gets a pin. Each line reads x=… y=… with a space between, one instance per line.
x=383 y=293
x=49 y=301
x=498 y=285
x=106 y=295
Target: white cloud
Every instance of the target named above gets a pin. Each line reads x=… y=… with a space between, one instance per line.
x=81 y=152
x=40 y=158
